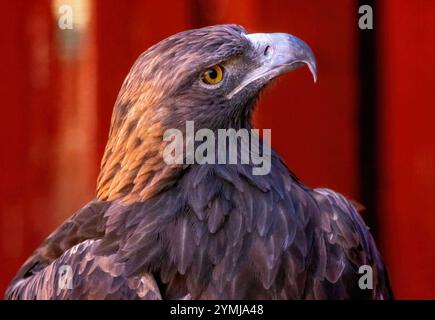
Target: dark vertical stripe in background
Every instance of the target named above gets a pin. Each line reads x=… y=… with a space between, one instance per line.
x=368 y=129
x=204 y=13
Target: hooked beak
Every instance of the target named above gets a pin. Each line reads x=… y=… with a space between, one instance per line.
x=277 y=53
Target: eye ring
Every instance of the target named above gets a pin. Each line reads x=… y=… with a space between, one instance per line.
x=213 y=75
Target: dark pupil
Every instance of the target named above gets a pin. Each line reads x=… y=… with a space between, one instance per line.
x=212 y=73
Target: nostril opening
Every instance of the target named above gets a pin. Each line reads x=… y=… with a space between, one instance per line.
x=267 y=51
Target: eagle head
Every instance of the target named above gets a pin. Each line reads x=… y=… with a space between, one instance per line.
x=211 y=76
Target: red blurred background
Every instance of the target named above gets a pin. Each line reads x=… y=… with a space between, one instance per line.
x=365 y=129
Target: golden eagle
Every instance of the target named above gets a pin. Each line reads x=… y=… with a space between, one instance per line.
x=203 y=231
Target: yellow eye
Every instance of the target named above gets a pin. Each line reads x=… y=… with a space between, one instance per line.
x=213 y=75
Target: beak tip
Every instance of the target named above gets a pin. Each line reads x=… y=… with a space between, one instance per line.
x=313 y=70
